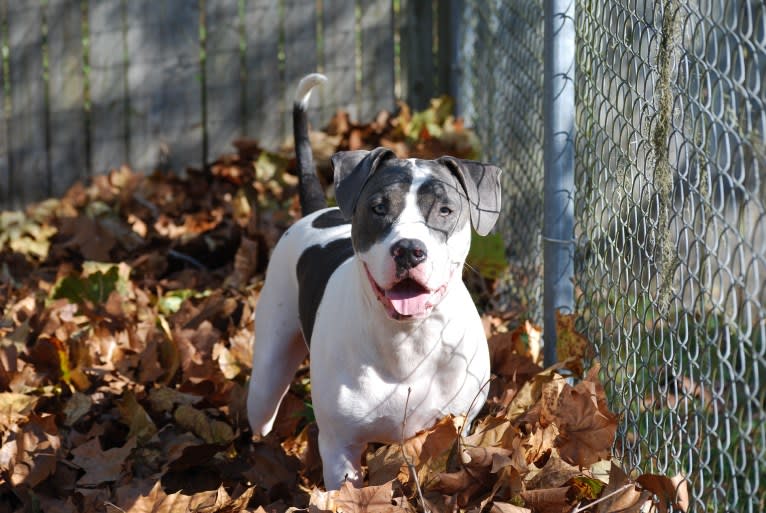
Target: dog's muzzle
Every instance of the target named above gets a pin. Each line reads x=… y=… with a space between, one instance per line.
x=408 y=298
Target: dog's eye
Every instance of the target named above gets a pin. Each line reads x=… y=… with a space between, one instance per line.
x=379 y=209
x=445 y=211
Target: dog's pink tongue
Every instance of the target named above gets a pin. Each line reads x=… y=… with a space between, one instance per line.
x=408 y=298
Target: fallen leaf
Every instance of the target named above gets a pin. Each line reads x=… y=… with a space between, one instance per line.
x=76 y=408
x=210 y=430
x=100 y=466
x=135 y=417
x=427 y=452
x=368 y=499
x=583 y=488
x=164 y=399
x=670 y=492
x=586 y=431
x=29 y=452
x=621 y=494
x=546 y=500
x=570 y=344
x=15 y=407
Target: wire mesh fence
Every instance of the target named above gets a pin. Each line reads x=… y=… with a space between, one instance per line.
x=502 y=97
x=670 y=260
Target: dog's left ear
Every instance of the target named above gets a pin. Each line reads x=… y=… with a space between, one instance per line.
x=351 y=170
x=481 y=183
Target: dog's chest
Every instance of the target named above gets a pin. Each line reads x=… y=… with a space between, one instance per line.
x=422 y=376
x=388 y=411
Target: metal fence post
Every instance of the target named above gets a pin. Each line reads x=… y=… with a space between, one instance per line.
x=559 y=117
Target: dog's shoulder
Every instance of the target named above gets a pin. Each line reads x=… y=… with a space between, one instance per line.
x=325 y=244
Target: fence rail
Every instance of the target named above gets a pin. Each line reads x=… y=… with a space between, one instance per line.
x=87 y=85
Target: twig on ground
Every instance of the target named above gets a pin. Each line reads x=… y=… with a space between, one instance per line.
x=188 y=259
x=583 y=507
x=470 y=407
x=410 y=465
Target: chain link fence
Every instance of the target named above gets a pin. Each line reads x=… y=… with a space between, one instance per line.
x=501 y=86
x=670 y=259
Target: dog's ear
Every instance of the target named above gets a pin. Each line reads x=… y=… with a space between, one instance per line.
x=351 y=171
x=481 y=184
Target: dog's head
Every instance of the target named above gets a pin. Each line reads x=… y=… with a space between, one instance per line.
x=411 y=222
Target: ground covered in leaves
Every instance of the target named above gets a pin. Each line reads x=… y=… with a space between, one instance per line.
x=125 y=344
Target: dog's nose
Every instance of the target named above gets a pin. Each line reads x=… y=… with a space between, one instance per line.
x=409 y=253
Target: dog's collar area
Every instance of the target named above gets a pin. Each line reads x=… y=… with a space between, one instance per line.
x=407 y=299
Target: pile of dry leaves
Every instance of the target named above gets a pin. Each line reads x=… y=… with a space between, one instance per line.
x=125 y=344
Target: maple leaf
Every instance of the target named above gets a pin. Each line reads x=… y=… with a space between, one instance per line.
x=101 y=466
x=348 y=499
x=427 y=452
x=586 y=430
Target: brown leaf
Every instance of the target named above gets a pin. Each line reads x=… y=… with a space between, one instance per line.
x=219 y=501
x=571 y=345
x=269 y=467
x=76 y=407
x=427 y=451
x=135 y=417
x=164 y=399
x=368 y=499
x=100 y=466
x=28 y=453
x=531 y=393
x=669 y=491
x=547 y=500
x=173 y=503
x=463 y=484
x=14 y=408
x=210 y=430
x=304 y=446
x=245 y=262
x=555 y=473
x=525 y=340
x=86 y=236
x=586 y=432
x=492 y=432
x=540 y=444
x=621 y=495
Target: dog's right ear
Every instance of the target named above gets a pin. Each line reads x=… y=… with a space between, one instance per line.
x=351 y=170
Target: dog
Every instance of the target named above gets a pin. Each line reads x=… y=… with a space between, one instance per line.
x=374 y=289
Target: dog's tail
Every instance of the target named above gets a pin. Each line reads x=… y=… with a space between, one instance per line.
x=310 y=190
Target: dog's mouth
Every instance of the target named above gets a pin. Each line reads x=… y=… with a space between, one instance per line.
x=407 y=298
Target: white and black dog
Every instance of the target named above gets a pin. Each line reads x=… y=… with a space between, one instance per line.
x=375 y=288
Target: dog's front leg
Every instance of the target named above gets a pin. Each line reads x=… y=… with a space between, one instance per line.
x=341 y=460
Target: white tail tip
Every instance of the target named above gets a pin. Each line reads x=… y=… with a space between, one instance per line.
x=306 y=85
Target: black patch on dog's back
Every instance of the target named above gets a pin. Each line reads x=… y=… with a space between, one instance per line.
x=314 y=268
x=329 y=219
